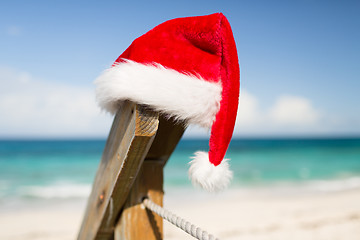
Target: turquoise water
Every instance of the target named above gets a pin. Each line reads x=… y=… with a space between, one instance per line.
x=65 y=169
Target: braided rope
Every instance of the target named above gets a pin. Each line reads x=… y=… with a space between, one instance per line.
x=181 y=223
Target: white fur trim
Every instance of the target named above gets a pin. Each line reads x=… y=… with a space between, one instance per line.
x=210 y=177
x=180 y=95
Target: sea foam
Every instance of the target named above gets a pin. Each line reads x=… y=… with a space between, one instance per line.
x=334 y=185
x=62 y=191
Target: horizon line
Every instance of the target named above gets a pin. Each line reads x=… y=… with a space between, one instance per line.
x=248 y=137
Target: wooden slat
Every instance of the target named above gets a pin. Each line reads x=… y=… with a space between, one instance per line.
x=166 y=139
x=130 y=138
x=136 y=222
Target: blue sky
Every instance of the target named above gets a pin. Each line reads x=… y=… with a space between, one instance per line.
x=299 y=63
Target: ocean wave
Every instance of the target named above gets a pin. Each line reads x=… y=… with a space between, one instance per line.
x=334 y=185
x=68 y=190
x=61 y=191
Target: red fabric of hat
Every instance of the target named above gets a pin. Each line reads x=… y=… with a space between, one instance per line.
x=186 y=68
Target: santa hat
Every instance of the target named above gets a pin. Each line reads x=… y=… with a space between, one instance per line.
x=186 y=68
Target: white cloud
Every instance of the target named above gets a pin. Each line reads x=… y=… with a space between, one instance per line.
x=249 y=110
x=31 y=107
x=13 y=30
x=294 y=111
x=287 y=115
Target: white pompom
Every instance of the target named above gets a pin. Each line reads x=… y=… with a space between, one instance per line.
x=210 y=177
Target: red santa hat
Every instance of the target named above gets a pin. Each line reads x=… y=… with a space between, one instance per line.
x=186 y=68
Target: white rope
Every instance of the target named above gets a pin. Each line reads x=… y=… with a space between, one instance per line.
x=186 y=226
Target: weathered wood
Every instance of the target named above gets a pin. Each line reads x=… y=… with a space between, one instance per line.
x=136 y=222
x=167 y=137
x=130 y=138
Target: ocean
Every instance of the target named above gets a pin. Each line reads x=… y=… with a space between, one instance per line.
x=32 y=170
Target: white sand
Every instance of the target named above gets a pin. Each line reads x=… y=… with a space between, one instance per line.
x=57 y=221
x=274 y=216
x=231 y=215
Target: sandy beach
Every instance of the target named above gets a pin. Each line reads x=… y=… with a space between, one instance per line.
x=235 y=214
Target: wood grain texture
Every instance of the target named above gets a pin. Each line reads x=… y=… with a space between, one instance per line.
x=130 y=138
x=137 y=133
x=166 y=139
x=136 y=222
